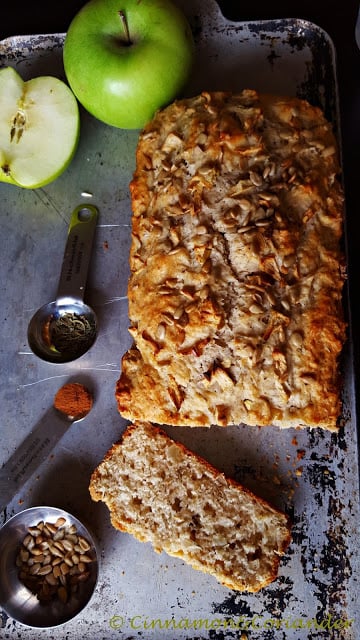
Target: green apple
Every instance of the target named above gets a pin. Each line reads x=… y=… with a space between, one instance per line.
x=124 y=59
x=39 y=128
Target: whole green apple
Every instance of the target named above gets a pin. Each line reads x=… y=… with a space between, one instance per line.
x=39 y=128
x=124 y=59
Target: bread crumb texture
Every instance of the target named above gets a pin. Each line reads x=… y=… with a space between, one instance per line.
x=235 y=293
x=160 y=492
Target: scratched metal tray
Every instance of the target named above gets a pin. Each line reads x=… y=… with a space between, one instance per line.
x=313 y=475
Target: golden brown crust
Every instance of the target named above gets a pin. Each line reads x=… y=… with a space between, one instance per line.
x=235 y=294
x=160 y=492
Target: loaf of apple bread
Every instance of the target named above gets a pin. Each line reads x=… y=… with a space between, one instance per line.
x=235 y=293
x=160 y=492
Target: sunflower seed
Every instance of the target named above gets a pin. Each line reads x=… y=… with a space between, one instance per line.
x=36 y=551
x=85 y=558
x=63 y=594
x=255 y=178
x=178 y=313
x=60 y=523
x=67 y=544
x=24 y=555
x=50 y=527
x=35 y=569
x=51 y=579
x=57 y=571
x=64 y=568
x=51 y=555
x=85 y=546
x=59 y=535
x=161 y=332
x=44 y=570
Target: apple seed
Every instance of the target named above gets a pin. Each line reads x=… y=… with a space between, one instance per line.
x=18 y=125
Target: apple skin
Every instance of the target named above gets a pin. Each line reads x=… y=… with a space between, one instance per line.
x=122 y=83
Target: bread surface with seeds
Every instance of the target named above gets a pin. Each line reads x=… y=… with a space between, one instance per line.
x=235 y=293
x=160 y=492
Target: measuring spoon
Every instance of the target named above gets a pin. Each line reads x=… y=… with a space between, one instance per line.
x=38 y=444
x=65 y=329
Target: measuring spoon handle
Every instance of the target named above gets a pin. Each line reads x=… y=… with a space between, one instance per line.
x=77 y=253
x=30 y=454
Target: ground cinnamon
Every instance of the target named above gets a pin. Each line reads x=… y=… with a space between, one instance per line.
x=74 y=400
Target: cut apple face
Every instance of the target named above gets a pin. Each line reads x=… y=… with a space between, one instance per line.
x=39 y=128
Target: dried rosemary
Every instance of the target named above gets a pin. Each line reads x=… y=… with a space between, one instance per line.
x=72 y=334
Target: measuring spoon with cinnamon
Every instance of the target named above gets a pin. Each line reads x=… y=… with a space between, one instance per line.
x=71 y=403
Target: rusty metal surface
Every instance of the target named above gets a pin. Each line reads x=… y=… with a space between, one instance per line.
x=312 y=475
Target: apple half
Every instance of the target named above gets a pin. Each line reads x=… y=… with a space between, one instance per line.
x=39 y=128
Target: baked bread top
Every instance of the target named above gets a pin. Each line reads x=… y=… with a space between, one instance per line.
x=235 y=293
x=160 y=492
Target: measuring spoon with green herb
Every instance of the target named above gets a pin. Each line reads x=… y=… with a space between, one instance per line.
x=65 y=329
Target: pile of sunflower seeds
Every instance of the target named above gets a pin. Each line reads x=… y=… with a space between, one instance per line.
x=53 y=560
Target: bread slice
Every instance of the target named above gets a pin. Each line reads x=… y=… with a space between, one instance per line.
x=235 y=294
x=160 y=492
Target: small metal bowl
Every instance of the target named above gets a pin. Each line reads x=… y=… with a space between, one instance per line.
x=18 y=600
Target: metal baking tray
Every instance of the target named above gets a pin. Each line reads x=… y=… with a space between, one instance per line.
x=311 y=474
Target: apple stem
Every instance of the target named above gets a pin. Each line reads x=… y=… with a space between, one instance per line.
x=125 y=25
